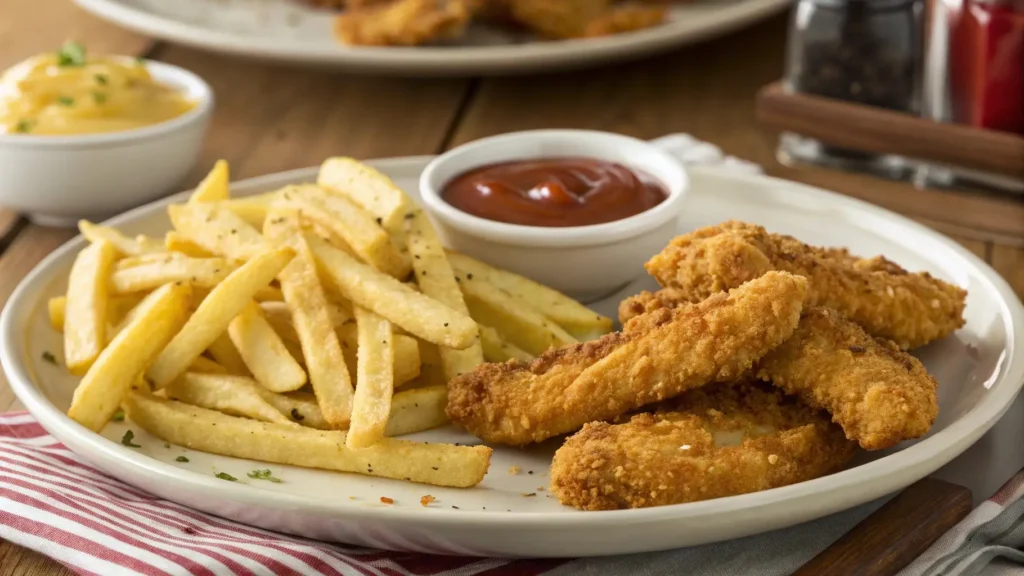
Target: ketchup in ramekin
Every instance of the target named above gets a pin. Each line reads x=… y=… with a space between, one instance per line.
x=554 y=192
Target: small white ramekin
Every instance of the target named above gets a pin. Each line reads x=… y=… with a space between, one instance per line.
x=55 y=180
x=585 y=262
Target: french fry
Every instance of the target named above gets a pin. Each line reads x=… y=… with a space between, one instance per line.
x=263 y=351
x=407 y=352
x=148 y=258
x=224 y=352
x=177 y=243
x=269 y=294
x=371 y=190
x=117 y=308
x=214 y=186
x=295 y=351
x=252 y=209
x=520 y=325
x=431 y=366
x=577 y=319
x=299 y=407
x=411 y=410
x=216 y=230
x=417 y=410
x=125 y=245
x=435 y=278
x=418 y=314
x=211 y=431
x=214 y=314
x=202 y=272
x=374 y=380
x=105 y=385
x=204 y=365
x=351 y=223
x=234 y=395
x=85 y=311
x=311 y=321
x=496 y=349
x=281 y=318
x=55 y=307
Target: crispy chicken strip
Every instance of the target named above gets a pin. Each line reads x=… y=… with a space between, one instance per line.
x=657 y=356
x=626 y=18
x=719 y=440
x=403 y=22
x=558 y=19
x=889 y=302
x=878 y=393
x=646 y=301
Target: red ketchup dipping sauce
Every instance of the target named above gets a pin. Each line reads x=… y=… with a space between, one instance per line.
x=554 y=192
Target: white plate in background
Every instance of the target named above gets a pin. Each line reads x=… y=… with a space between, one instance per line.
x=980 y=370
x=288 y=31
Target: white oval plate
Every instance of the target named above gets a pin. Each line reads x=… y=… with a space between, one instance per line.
x=980 y=371
x=288 y=31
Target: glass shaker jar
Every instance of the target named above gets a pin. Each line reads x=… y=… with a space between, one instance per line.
x=861 y=51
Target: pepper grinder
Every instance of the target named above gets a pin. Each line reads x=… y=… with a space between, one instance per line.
x=867 y=52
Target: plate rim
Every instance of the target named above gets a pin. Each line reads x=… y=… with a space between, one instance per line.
x=932 y=452
x=441 y=59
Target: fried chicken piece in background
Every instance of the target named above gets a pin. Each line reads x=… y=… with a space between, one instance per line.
x=656 y=356
x=887 y=301
x=340 y=4
x=719 y=440
x=625 y=18
x=403 y=22
x=879 y=394
x=558 y=19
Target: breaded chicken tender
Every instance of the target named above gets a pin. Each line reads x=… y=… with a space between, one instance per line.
x=719 y=440
x=561 y=19
x=403 y=22
x=879 y=394
x=625 y=18
x=887 y=301
x=647 y=301
x=656 y=356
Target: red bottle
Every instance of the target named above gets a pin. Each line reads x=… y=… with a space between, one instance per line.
x=987 y=63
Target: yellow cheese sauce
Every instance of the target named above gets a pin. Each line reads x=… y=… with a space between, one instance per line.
x=68 y=92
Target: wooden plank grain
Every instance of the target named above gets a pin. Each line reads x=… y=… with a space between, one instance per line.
x=897 y=533
x=28 y=27
x=706 y=90
x=1009 y=261
x=270 y=118
x=18 y=561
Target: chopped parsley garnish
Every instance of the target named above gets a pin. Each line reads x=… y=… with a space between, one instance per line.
x=102 y=79
x=264 y=475
x=140 y=60
x=65 y=100
x=226 y=476
x=49 y=357
x=71 y=54
x=23 y=126
x=127 y=439
x=296 y=416
x=181 y=459
x=118 y=416
x=99 y=97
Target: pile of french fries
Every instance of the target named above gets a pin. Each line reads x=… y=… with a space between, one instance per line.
x=306 y=326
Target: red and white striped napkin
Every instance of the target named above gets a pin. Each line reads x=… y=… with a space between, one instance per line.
x=52 y=502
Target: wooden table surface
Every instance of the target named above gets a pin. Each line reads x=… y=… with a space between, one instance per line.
x=271 y=118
